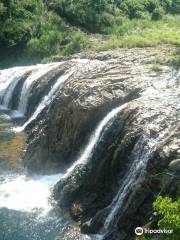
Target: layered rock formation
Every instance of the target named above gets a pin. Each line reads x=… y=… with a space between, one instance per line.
x=146 y=130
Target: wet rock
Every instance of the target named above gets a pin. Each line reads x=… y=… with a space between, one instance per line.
x=80 y=104
x=64 y=189
x=43 y=86
x=175 y=165
x=93 y=225
x=147 y=127
x=107 y=80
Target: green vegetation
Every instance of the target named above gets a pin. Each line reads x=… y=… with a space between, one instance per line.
x=29 y=28
x=96 y=16
x=168 y=218
x=169 y=213
x=142 y=32
x=33 y=30
x=174 y=59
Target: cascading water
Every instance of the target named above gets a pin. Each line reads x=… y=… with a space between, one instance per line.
x=6 y=77
x=46 y=100
x=39 y=71
x=25 y=200
x=8 y=81
x=94 y=139
x=9 y=78
x=9 y=92
x=141 y=154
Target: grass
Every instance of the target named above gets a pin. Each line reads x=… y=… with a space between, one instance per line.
x=125 y=33
x=128 y=33
x=171 y=58
x=142 y=33
x=174 y=59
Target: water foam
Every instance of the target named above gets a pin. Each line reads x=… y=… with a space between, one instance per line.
x=27 y=194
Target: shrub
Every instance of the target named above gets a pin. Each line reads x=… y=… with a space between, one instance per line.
x=175 y=6
x=17 y=21
x=47 y=44
x=157 y=14
x=132 y=8
x=169 y=214
x=76 y=43
x=151 y=5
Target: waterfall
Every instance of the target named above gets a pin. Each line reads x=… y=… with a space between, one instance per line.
x=141 y=154
x=46 y=100
x=94 y=139
x=9 y=79
x=14 y=81
x=39 y=71
x=6 y=78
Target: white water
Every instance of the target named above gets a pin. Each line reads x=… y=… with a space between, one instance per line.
x=27 y=194
x=5 y=78
x=46 y=100
x=142 y=152
x=95 y=138
x=14 y=81
x=8 y=80
x=39 y=71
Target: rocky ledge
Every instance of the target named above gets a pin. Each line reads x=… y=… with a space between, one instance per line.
x=147 y=130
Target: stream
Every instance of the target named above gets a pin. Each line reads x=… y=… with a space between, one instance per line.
x=26 y=209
